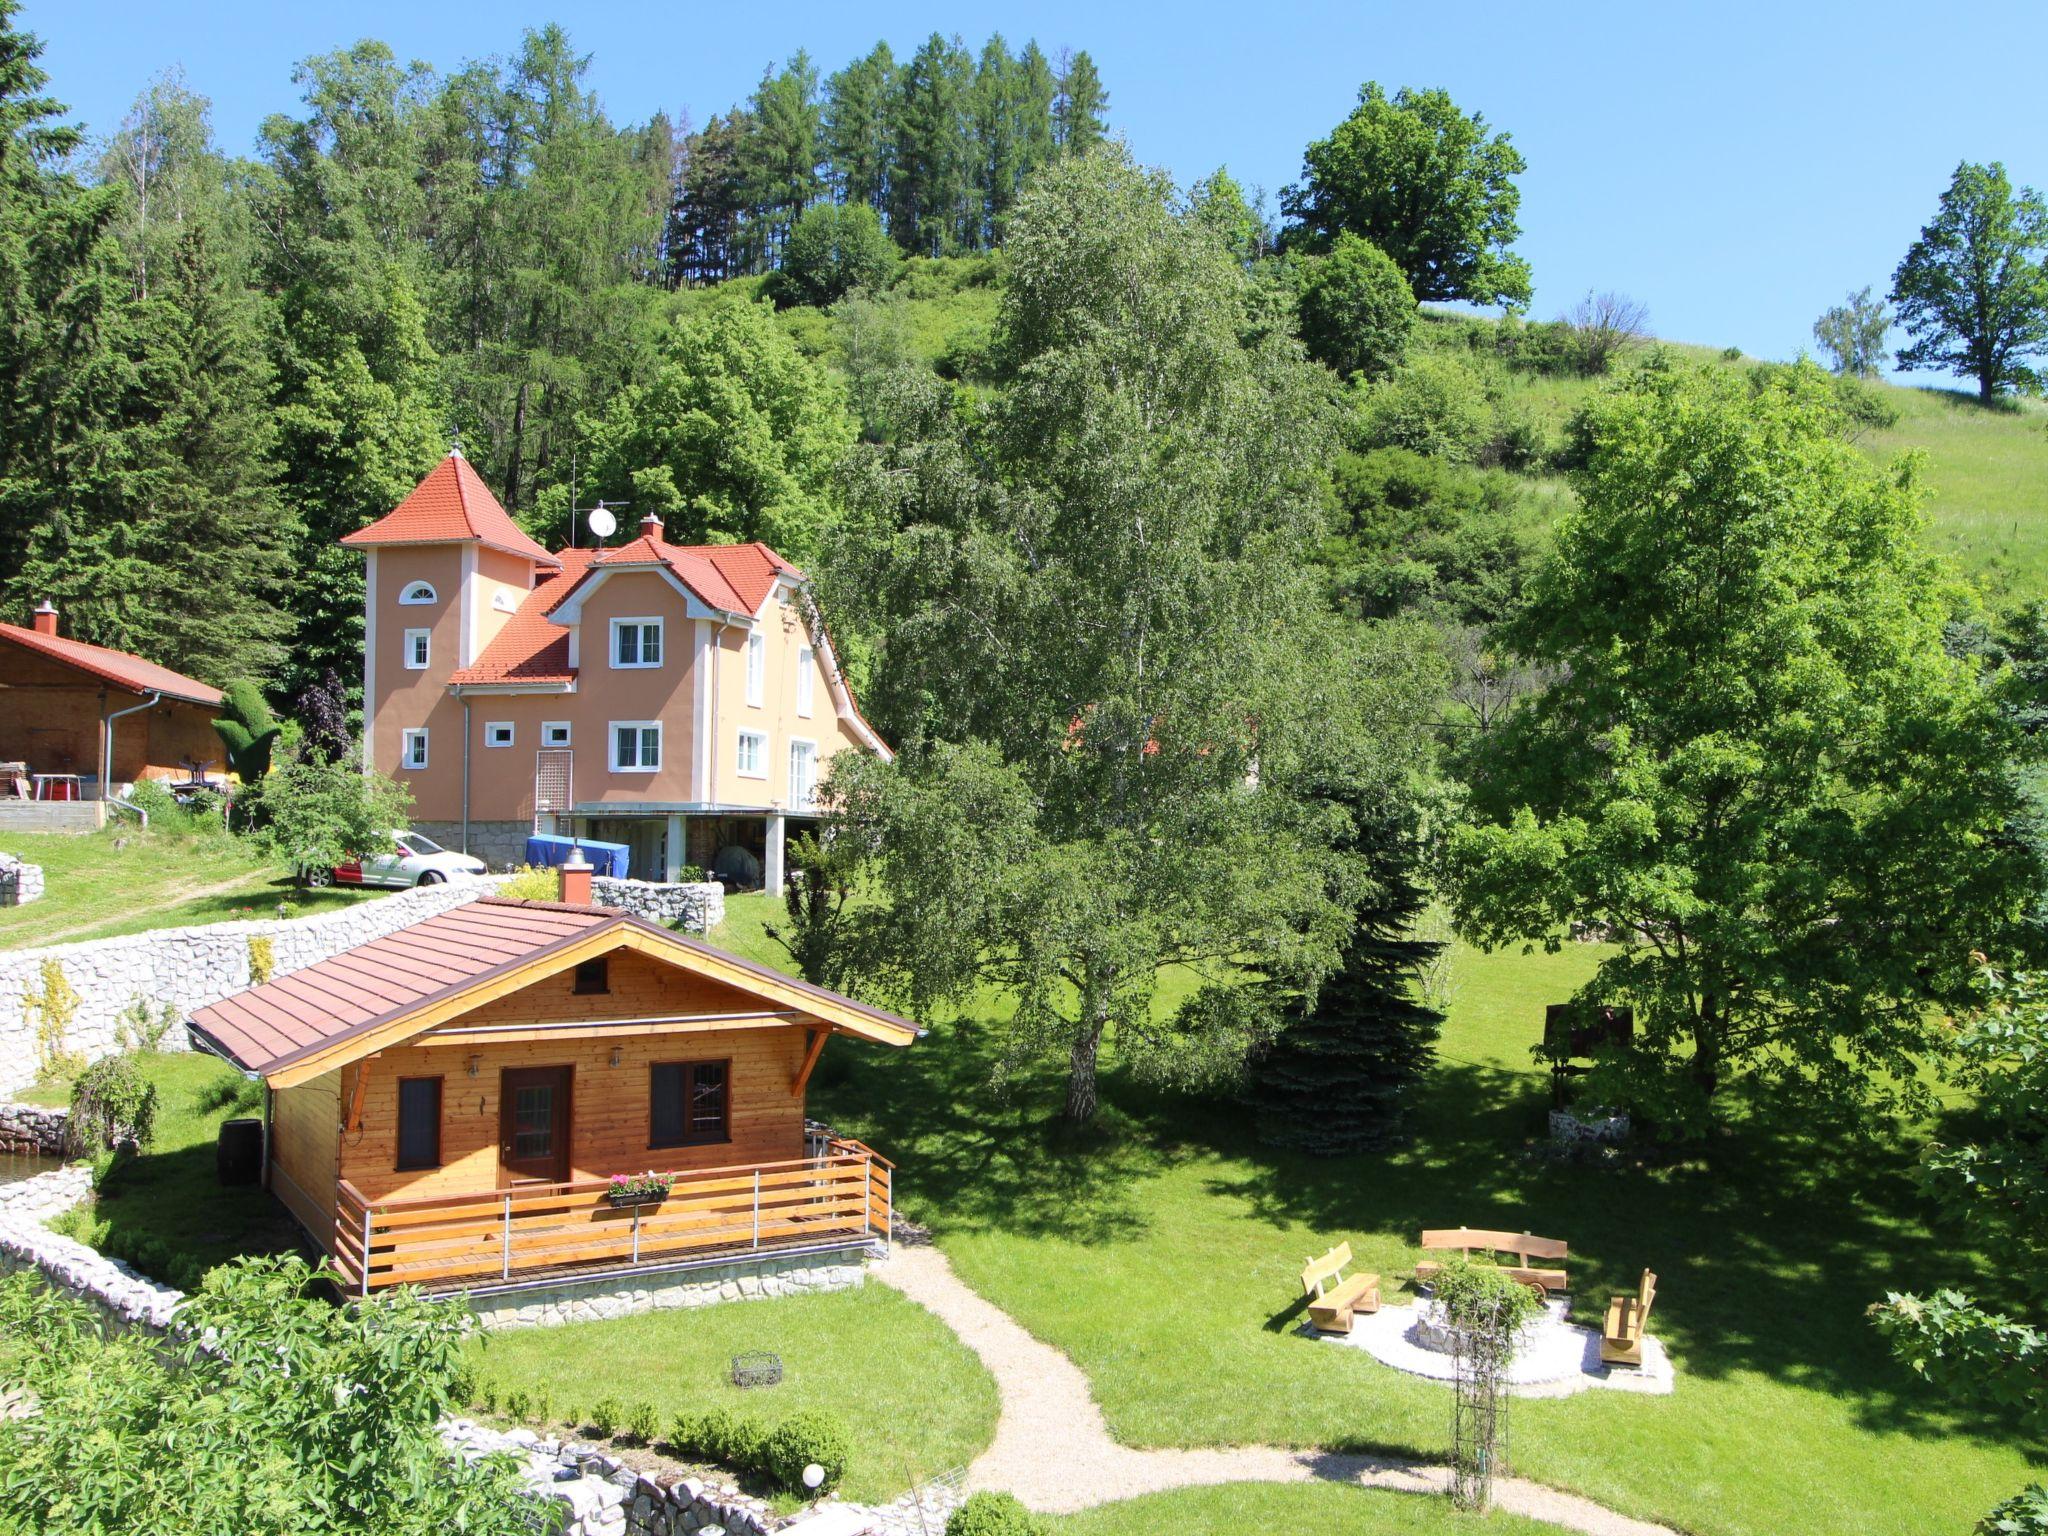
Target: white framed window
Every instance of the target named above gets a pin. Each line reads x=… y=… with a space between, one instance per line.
x=412 y=750
x=636 y=746
x=803 y=774
x=419 y=645
x=752 y=758
x=554 y=733
x=757 y=668
x=498 y=733
x=415 y=593
x=805 y=665
x=636 y=642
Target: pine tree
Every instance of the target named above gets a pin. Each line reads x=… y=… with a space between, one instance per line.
x=934 y=168
x=1339 y=1076
x=856 y=128
x=1077 y=108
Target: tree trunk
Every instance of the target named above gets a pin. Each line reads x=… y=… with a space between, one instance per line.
x=1082 y=1101
x=1706 y=1049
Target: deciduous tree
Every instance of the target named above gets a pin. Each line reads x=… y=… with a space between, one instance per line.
x=1426 y=183
x=1852 y=334
x=1357 y=312
x=1972 y=292
x=1758 y=765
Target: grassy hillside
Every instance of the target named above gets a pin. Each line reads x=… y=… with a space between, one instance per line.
x=1986 y=470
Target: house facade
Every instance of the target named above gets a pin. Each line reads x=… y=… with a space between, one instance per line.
x=102 y=716
x=446 y=1106
x=682 y=700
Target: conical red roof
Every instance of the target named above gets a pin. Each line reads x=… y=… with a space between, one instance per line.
x=451 y=506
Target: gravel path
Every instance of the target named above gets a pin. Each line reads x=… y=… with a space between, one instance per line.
x=1054 y=1452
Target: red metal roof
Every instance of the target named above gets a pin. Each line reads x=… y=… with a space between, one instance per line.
x=451 y=506
x=116 y=667
x=268 y=1028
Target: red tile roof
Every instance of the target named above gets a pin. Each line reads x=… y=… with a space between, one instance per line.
x=117 y=667
x=531 y=648
x=451 y=506
x=268 y=1028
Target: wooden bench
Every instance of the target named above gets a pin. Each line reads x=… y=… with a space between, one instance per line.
x=1543 y=1278
x=1332 y=1299
x=1621 y=1340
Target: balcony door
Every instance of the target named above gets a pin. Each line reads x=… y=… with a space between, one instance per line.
x=533 y=1125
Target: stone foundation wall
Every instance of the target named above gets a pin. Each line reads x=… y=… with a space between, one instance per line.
x=586 y=1301
x=698 y=906
x=500 y=844
x=30 y=1128
x=186 y=968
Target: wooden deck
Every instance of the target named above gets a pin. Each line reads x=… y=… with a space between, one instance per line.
x=533 y=1232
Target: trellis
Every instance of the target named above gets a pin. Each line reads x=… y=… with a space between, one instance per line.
x=1483 y=1339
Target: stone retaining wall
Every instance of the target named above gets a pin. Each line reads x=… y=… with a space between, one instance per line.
x=186 y=968
x=20 y=881
x=130 y=1300
x=31 y=1128
x=500 y=844
x=697 y=905
x=589 y=1301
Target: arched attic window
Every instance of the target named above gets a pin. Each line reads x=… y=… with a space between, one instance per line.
x=415 y=593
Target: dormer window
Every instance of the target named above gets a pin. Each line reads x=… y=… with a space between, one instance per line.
x=416 y=593
x=636 y=643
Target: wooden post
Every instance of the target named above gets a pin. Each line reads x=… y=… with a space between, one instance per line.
x=811 y=1054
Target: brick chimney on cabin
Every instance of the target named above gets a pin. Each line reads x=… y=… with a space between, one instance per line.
x=46 y=617
x=575 y=873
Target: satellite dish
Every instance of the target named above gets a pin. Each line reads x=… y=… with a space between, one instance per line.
x=602 y=523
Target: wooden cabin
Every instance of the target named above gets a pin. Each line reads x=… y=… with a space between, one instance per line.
x=447 y=1105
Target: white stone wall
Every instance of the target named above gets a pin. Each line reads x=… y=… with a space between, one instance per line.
x=590 y=1301
x=186 y=968
x=698 y=906
x=130 y=1300
x=20 y=881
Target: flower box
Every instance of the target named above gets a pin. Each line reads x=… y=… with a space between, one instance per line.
x=631 y=1189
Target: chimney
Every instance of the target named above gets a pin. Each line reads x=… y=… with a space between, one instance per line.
x=46 y=617
x=575 y=872
x=650 y=527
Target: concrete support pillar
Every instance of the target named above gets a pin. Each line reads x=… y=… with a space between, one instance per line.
x=771 y=866
x=674 y=861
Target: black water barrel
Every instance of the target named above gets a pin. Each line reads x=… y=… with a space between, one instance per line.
x=238 y=1156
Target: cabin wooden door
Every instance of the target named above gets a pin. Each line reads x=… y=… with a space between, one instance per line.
x=533 y=1125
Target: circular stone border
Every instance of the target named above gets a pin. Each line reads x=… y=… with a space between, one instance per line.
x=1563 y=1360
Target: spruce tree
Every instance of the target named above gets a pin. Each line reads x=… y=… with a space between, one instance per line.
x=1339 y=1076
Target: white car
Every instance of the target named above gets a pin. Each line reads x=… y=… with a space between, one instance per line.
x=410 y=860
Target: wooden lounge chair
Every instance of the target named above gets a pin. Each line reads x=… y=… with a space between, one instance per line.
x=1470 y=1240
x=1332 y=1299
x=1621 y=1340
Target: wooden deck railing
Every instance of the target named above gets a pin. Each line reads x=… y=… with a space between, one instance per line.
x=455 y=1241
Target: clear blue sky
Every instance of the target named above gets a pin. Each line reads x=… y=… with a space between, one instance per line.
x=1735 y=166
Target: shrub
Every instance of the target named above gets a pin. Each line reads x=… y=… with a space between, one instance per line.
x=1436 y=405
x=142 y=1027
x=53 y=1009
x=112 y=1104
x=518 y=1404
x=1356 y=309
x=833 y=249
x=721 y=1436
x=532 y=882
x=605 y=1415
x=801 y=1439
x=262 y=959
x=992 y=1514
x=643 y=1423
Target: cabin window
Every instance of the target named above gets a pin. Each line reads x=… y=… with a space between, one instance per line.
x=688 y=1103
x=413 y=752
x=416 y=593
x=804 y=668
x=498 y=734
x=592 y=976
x=418 y=647
x=554 y=733
x=419 y=1123
x=636 y=746
x=636 y=642
x=757 y=668
x=753 y=749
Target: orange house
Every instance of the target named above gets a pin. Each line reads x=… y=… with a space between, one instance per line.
x=446 y=1106
x=680 y=699
x=103 y=715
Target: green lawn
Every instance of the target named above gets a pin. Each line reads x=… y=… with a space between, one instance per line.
x=914 y=1399
x=1233 y=1509
x=121 y=879
x=1161 y=1253
x=164 y=1210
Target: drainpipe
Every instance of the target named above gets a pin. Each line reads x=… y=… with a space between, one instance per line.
x=465 y=773
x=107 y=752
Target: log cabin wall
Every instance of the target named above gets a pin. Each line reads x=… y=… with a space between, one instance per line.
x=304 y=1126
x=608 y=1130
